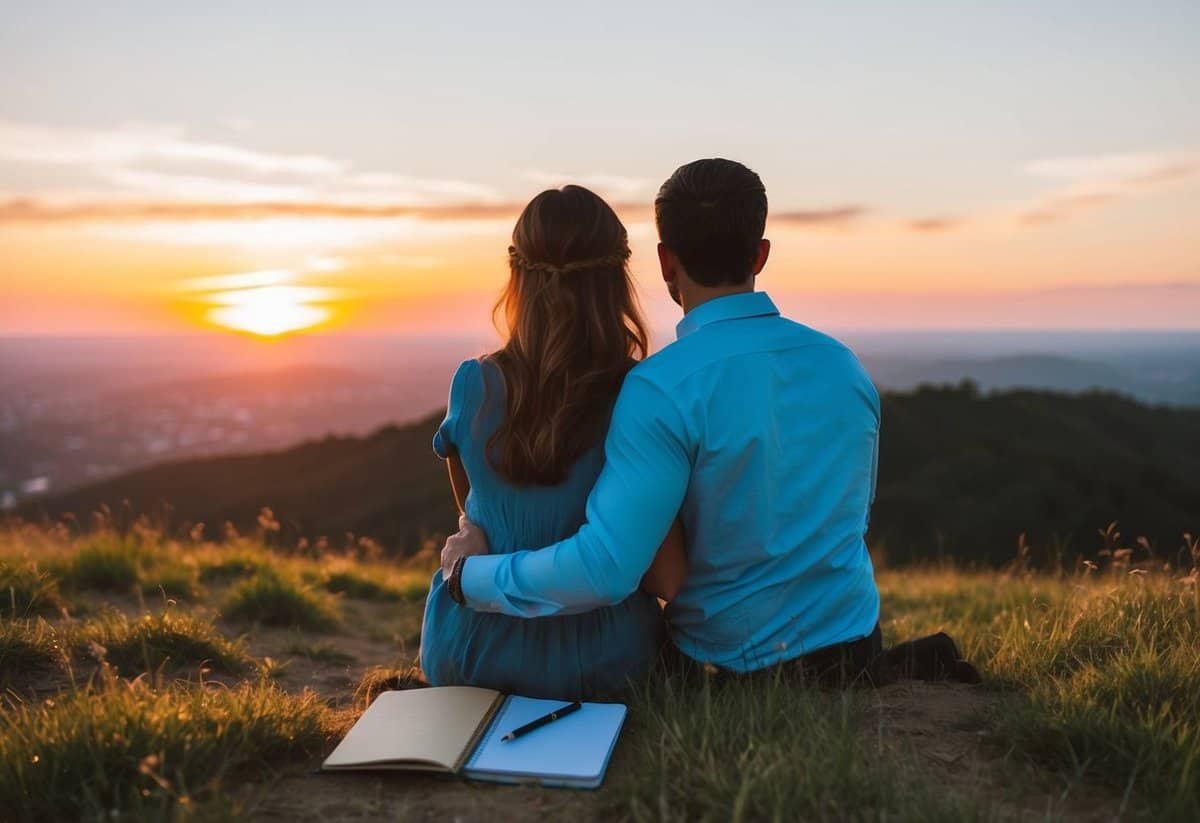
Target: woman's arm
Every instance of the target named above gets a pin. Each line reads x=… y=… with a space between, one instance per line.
x=459 y=484
x=665 y=576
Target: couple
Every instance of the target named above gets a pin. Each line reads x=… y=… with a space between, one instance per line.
x=730 y=475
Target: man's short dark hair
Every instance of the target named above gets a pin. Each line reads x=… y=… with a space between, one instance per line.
x=712 y=214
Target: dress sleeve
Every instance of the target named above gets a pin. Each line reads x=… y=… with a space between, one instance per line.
x=458 y=408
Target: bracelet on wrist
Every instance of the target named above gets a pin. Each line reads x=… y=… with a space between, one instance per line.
x=454 y=584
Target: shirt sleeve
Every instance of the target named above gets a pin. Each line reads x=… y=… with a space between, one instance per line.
x=872 y=395
x=447 y=437
x=648 y=463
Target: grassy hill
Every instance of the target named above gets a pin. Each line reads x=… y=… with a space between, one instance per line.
x=150 y=678
x=961 y=475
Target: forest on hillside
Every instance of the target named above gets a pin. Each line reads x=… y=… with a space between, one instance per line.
x=962 y=475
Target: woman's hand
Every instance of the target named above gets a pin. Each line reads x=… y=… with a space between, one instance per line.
x=467 y=541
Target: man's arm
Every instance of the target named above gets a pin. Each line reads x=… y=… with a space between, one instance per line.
x=648 y=463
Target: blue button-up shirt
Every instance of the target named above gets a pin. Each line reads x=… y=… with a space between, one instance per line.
x=762 y=435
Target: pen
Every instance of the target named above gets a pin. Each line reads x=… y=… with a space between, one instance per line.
x=542 y=721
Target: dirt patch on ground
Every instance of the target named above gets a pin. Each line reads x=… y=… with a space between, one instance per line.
x=399 y=796
x=938 y=733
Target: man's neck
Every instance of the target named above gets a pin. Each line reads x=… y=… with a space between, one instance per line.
x=700 y=295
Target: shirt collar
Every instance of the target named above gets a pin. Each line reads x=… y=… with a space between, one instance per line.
x=730 y=307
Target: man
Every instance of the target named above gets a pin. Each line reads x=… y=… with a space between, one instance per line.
x=759 y=433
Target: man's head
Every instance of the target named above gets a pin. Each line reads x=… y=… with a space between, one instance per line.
x=711 y=215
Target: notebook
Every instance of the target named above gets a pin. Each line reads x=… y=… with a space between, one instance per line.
x=457 y=730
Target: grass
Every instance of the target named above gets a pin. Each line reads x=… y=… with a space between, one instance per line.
x=275 y=599
x=321 y=653
x=762 y=749
x=25 y=589
x=1111 y=681
x=146 y=752
x=357 y=585
x=108 y=562
x=154 y=642
x=28 y=650
x=171 y=578
x=1100 y=671
x=1090 y=687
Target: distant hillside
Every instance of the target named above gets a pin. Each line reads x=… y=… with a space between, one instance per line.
x=389 y=486
x=1160 y=381
x=961 y=475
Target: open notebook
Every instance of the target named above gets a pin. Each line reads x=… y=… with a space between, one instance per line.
x=457 y=729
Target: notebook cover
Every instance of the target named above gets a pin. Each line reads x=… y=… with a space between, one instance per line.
x=425 y=729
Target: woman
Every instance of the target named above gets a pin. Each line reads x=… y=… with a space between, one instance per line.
x=523 y=440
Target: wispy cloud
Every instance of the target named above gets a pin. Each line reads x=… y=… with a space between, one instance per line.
x=834 y=216
x=130 y=145
x=1098 y=180
x=161 y=163
x=934 y=225
x=199 y=187
x=25 y=209
x=240 y=280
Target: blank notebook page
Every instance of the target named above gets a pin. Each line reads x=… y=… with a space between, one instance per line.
x=576 y=746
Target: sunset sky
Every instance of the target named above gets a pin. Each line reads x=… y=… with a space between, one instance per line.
x=356 y=167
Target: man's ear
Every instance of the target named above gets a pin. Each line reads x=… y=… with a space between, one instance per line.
x=668 y=263
x=760 y=258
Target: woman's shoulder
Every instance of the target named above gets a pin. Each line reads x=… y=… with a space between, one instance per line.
x=478 y=387
x=468 y=377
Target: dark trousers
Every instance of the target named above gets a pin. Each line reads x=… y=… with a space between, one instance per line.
x=853 y=663
x=862 y=662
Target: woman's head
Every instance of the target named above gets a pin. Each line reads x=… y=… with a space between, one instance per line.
x=574 y=330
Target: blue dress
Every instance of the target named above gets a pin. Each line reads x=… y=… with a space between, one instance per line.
x=566 y=657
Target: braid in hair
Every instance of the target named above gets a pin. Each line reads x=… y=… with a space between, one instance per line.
x=615 y=259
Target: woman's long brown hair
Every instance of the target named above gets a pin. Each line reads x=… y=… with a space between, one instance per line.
x=574 y=330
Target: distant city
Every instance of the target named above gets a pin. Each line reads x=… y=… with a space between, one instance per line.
x=74 y=412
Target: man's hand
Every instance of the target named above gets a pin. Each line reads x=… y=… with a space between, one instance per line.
x=469 y=540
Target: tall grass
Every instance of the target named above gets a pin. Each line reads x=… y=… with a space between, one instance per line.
x=765 y=748
x=152 y=642
x=106 y=561
x=276 y=599
x=1101 y=669
x=28 y=650
x=139 y=751
x=1112 y=679
x=1091 y=674
x=26 y=590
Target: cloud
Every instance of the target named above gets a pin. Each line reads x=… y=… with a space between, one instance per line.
x=934 y=225
x=132 y=144
x=241 y=280
x=835 y=216
x=160 y=163
x=198 y=187
x=34 y=210
x=1098 y=180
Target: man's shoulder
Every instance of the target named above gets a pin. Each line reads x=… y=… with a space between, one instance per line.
x=668 y=374
x=681 y=358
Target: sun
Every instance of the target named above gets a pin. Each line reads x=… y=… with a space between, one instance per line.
x=269 y=311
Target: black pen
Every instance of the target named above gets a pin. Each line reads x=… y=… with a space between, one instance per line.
x=542 y=721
